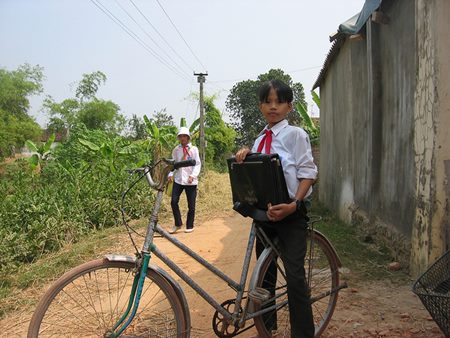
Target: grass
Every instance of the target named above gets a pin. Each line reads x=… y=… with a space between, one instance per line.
x=214 y=200
x=364 y=261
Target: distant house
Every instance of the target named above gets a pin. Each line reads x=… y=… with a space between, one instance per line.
x=59 y=136
x=384 y=119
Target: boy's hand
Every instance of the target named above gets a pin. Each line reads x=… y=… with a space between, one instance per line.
x=276 y=213
x=241 y=154
x=170 y=179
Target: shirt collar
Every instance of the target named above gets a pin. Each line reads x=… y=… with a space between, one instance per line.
x=188 y=145
x=277 y=128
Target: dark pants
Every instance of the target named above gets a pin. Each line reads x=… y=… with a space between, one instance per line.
x=291 y=234
x=191 y=195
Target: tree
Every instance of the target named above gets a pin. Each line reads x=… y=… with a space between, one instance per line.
x=101 y=115
x=89 y=84
x=136 y=128
x=162 y=118
x=242 y=102
x=65 y=111
x=220 y=138
x=86 y=108
x=16 y=125
x=16 y=86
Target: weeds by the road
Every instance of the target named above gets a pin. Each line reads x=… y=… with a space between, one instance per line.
x=214 y=200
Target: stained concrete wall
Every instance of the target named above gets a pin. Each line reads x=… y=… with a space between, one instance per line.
x=385 y=112
x=430 y=236
x=343 y=124
x=367 y=124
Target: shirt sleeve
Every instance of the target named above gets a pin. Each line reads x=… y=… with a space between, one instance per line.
x=173 y=157
x=306 y=168
x=198 y=163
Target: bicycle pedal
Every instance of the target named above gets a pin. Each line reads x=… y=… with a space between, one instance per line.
x=259 y=295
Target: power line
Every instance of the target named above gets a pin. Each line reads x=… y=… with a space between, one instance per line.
x=288 y=72
x=162 y=37
x=179 y=33
x=151 y=38
x=117 y=21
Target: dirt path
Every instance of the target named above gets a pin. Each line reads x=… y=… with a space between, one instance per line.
x=364 y=309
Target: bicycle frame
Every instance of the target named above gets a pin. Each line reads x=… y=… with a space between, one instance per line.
x=148 y=248
x=240 y=314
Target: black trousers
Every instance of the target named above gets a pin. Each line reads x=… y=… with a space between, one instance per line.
x=191 y=195
x=291 y=234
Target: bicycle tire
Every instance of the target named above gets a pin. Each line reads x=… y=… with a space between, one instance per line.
x=324 y=278
x=89 y=299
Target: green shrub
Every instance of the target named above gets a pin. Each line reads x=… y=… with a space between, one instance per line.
x=75 y=193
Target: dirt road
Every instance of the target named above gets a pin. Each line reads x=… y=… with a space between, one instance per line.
x=364 y=309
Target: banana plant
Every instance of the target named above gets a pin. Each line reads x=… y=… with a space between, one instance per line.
x=307 y=122
x=110 y=152
x=41 y=153
x=160 y=140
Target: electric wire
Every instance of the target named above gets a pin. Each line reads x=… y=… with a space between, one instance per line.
x=288 y=71
x=181 y=36
x=162 y=37
x=151 y=38
x=117 y=21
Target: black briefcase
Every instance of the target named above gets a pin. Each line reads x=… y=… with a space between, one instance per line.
x=257 y=181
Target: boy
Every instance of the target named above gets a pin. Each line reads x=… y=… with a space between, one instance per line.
x=186 y=179
x=292 y=145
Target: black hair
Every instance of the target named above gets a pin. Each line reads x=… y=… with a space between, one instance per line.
x=284 y=92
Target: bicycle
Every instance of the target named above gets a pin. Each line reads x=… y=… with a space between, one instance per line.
x=108 y=297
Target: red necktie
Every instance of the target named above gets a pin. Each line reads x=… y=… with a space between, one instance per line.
x=267 y=139
x=185 y=153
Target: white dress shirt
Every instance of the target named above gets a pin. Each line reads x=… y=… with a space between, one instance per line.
x=292 y=145
x=182 y=174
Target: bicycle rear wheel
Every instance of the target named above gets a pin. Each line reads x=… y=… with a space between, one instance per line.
x=89 y=299
x=323 y=277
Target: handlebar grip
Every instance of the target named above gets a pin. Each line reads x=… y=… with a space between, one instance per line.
x=187 y=163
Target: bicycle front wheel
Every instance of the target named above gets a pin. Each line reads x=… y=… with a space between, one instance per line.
x=88 y=300
x=322 y=274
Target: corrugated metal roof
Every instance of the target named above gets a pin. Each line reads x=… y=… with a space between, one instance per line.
x=349 y=27
x=334 y=50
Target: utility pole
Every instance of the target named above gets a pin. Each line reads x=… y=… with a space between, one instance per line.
x=201 y=80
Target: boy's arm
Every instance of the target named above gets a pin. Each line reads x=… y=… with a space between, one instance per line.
x=278 y=212
x=198 y=163
x=170 y=176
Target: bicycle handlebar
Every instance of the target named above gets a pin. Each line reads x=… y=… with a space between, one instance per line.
x=170 y=165
x=186 y=163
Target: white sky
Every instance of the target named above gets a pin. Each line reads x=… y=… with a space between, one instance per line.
x=234 y=40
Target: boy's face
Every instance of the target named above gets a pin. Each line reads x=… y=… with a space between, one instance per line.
x=184 y=139
x=273 y=110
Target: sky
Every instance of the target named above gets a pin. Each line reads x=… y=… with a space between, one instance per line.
x=149 y=50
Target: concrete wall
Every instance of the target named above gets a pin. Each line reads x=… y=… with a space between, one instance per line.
x=385 y=116
x=343 y=150
x=367 y=124
x=396 y=195
x=430 y=236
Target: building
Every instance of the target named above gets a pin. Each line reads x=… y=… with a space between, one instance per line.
x=385 y=116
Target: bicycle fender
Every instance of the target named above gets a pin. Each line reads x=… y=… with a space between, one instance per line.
x=175 y=285
x=327 y=241
x=267 y=252
x=259 y=262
